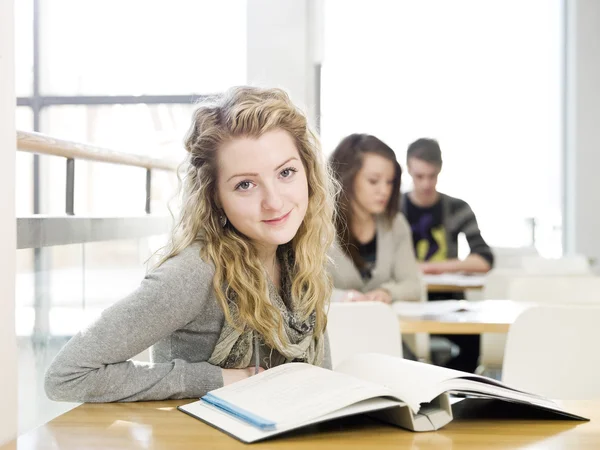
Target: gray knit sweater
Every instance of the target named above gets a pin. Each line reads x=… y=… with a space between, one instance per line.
x=176 y=312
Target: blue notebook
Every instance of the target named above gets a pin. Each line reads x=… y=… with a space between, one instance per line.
x=239 y=413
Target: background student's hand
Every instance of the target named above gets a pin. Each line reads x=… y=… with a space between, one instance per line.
x=354 y=296
x=432 y=268
x=232 y=375
x=379 y=295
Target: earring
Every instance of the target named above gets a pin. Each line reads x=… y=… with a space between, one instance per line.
x=223 y=220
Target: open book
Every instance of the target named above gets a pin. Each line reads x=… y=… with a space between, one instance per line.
x=400 y=392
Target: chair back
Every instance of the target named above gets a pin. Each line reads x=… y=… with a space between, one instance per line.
x=362 y=327
x=511 y=257
x=552 y=351
x=567 y=265
x=557 y=290
x=541 y=289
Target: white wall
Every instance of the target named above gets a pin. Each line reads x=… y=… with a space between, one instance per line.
x=582 y=156
x=8 y=347
x=283 y=39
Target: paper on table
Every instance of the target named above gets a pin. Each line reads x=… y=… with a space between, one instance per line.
x=438 y=308
x=455 y=279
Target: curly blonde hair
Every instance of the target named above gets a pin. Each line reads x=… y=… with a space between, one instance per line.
x=250 y=112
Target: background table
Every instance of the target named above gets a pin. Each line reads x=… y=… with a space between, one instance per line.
x=486 y=316
x=450 y=282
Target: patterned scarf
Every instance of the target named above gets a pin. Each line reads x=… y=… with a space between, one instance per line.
x=234 y=348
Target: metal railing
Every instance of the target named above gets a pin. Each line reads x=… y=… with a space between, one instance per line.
x=37 y=231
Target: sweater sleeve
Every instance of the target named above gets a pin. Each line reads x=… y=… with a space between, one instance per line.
x=94 y=365
x=470 y=228
x=406 y=284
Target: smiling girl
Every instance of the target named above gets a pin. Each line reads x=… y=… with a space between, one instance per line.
x=241 y=285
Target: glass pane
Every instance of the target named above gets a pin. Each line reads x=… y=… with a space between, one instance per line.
x=109 y=189
x=121 y=262
x=494 y=102
x=24 y=48
x=24 y=184
x=163 y=195
x=25 y=290
x=37 y=287
x=100 y=189
x=24 y=167
x=24 y=118
x=161 y=47
x=64 y=291
x=155 y=131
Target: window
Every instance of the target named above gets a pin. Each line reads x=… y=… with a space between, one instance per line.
x=153 y=130
x=484 y=78
x=139 y=47
x=24 y=48
x=24 y=166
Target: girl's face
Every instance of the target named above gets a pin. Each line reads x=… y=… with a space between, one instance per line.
x=262 y=187
x=373 y=184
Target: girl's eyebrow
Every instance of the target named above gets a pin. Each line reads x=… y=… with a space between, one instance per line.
x=248 y=174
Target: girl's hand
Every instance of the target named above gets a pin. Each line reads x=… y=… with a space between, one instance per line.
x=233 y=375
x=354 y=296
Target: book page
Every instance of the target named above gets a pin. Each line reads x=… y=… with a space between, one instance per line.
x=415 y=383
x=411 y=381
x=483 y=387
x=297 y=392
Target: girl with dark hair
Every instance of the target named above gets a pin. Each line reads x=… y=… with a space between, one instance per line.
x=373 y=259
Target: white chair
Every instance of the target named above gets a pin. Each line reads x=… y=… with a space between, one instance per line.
x=567 y=265
x=492 y=345
x=497 y=281
x=420 y=343
x=561 y=290
x=362 y=327
x=511 y=257
x=552 y=351
x=539 y=288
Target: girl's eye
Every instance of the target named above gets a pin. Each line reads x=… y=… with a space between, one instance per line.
x=288 y=172
x=373 y=181
x=243 y=186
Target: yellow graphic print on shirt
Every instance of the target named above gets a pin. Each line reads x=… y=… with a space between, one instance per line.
x=425 y=246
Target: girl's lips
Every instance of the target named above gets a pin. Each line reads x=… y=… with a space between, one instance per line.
x=278 y=220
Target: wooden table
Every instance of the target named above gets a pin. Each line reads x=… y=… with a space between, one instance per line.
x=489 y=316
x=158 y=425
x=451 y=282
